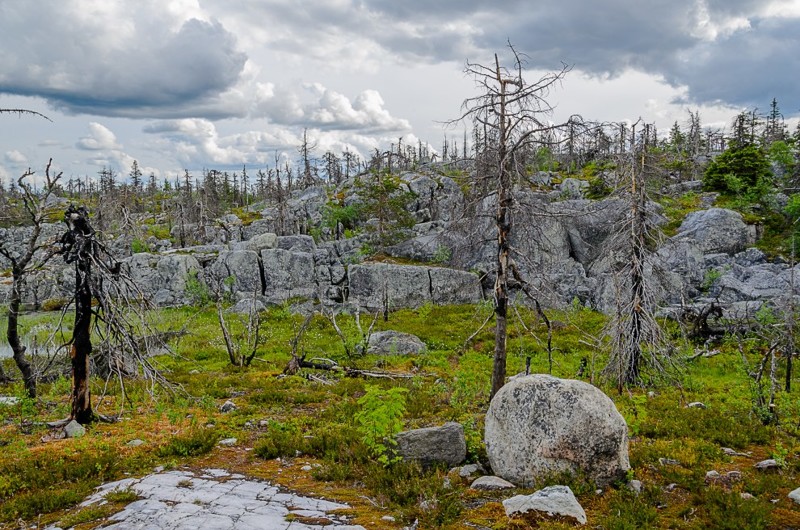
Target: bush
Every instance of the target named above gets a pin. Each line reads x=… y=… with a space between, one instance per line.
x=739 y=170
x=198 y=441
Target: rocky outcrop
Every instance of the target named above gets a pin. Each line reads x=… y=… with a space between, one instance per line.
x=433 y=445
x=539 y=426
x=375 y=286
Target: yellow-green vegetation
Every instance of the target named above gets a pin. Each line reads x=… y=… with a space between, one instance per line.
x=336 y=423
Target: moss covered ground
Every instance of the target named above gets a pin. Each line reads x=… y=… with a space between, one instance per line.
x=301 y=432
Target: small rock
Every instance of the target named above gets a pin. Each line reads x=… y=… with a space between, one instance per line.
x=388 y=518
x=227 y=442
x=74 y=429
x=9 y=400
x=767 y=465
x=135 y=443
x=730 y=452
x=263 y=423
x=713 y=477
x=469 y=470
x=668 y=462
x=651 y=394
x=697 y=405
x=733 y=476
x=490 y=483
x=635 y=486
x=744 y=495
x=248 y=424
x=553 y=500
x=228 y=406
x=795 y=495
x=671 y=487
x=306 y=468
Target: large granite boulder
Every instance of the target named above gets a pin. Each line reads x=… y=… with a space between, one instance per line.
x=242 y=267
x=716 y=230
x=288 y=274
x=432 y=445
x=394 y=343
x=538 y=426
x=376 y=286
x=163 y=278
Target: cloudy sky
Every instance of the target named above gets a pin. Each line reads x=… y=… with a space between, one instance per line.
x=192 y=84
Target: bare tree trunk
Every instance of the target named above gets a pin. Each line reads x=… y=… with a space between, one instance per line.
x=632 y=369
x=503 y=232
x=25 y=367
x=82 y=345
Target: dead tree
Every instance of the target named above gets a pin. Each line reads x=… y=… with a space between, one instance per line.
x=33 y=256
x=512 y=112
x=119 y=323
x=637 y=341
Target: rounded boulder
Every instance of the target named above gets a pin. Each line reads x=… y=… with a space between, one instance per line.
x=538 y=426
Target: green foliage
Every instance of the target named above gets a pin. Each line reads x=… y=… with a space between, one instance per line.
x=741 y=171
x=137 y=246
x=781 y=154
x=379 y=420
x=334 y=214
x=281 y=439
x=196 y=291
x=198 y=441
x=442 y=254
x=386 y=200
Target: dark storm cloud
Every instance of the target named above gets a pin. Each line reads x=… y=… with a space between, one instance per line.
x=134 y=65
x=721 y=51
x=747 y=68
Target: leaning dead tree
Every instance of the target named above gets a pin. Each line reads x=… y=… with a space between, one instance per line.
x=25 y=261
x=110 y=305
x=512 y=113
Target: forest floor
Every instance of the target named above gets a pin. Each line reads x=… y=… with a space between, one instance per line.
x=300 y=432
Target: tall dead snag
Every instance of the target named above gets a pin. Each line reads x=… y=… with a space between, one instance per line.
x=79 y=248
x=637 y=340
x=30 y=258
x=512 y=112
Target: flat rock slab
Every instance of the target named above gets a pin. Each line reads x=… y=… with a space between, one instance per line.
x=215 y=499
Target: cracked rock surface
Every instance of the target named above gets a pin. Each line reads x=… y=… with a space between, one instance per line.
x=216 y=500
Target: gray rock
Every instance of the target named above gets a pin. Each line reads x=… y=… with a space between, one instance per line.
x=491 y=483
x=469 y=470
x=376 y=285
x=795 y=495
x=228 y=406
x=259 y=242
x=395 y=343
x=247 y=305
x=288 y=274
x=572 y=188
x=715 y=230
x=243 y=267
x=450 y=286
x=696 y=405
x=73 y=429
x=227 y=442
x=135 y=443
x=635 y=486
x=767 y=465
x=539 y=426
x=431 y=445
x=297 y=243
x=553 y=500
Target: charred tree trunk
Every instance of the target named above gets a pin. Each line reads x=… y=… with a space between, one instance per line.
x=82 y=345
x=79 y=248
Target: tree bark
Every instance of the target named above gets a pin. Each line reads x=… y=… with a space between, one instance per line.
x=25 y=367
x=82 y=345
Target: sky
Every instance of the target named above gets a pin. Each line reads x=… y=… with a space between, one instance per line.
x=191 y=84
